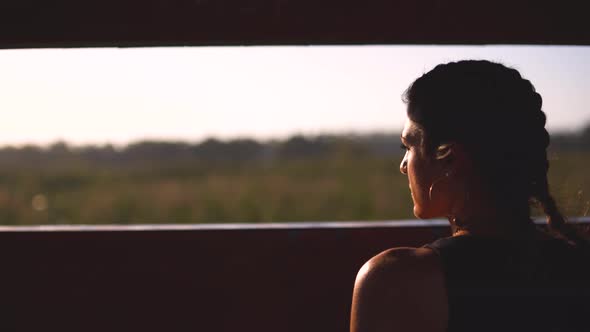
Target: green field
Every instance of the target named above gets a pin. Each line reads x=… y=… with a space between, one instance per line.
x=569 y=179
x=335 y=188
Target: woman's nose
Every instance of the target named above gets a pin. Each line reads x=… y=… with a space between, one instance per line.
x=403 y=166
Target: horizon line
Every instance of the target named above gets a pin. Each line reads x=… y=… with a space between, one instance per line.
x=252 y=137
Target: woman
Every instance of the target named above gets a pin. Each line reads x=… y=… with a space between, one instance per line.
x=475 y=144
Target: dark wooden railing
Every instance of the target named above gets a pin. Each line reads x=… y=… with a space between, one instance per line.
x=86 y=23
x=267 y=277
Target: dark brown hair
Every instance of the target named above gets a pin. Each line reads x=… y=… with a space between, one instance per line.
x=496 y=114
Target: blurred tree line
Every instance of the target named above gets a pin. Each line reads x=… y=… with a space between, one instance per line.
x=234 y=151
x=210 y=151
x=571 y=141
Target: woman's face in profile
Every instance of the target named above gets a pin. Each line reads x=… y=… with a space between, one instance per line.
x=422 y=171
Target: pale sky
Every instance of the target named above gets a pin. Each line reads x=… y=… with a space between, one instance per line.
x=120 y=95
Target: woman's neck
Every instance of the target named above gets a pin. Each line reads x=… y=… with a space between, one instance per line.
x=492 y=225
x=480 y=213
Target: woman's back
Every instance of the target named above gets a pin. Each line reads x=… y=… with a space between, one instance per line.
x=533 y=284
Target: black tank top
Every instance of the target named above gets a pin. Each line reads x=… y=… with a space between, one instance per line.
x=536 y=285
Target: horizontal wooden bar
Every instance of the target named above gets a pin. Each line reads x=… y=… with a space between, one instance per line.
x=251 y=226
x=129 y=23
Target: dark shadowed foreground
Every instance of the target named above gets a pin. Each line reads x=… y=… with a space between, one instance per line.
x=292 y=278
x=289 y=277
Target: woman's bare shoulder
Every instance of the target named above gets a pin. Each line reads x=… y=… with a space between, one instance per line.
x=400 y=289
x=415 y=264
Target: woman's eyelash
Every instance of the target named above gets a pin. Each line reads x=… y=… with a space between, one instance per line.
x=403 y=147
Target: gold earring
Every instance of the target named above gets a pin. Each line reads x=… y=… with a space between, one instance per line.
x=447 y=174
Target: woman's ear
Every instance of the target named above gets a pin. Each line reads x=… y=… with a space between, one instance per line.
x=453 y=155
x=444 y=152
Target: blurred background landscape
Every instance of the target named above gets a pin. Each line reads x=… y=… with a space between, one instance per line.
x=303 y=178
x=243 y=134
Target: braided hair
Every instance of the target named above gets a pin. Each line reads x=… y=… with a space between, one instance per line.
x=496 y=114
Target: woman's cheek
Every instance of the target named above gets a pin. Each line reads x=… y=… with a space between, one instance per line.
x=419 y=190
x=418 y=205
x=414 y=192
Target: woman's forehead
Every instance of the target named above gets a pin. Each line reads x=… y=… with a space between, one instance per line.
x=411 y=131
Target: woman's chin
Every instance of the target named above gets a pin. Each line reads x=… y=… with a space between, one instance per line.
x=421 y=213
